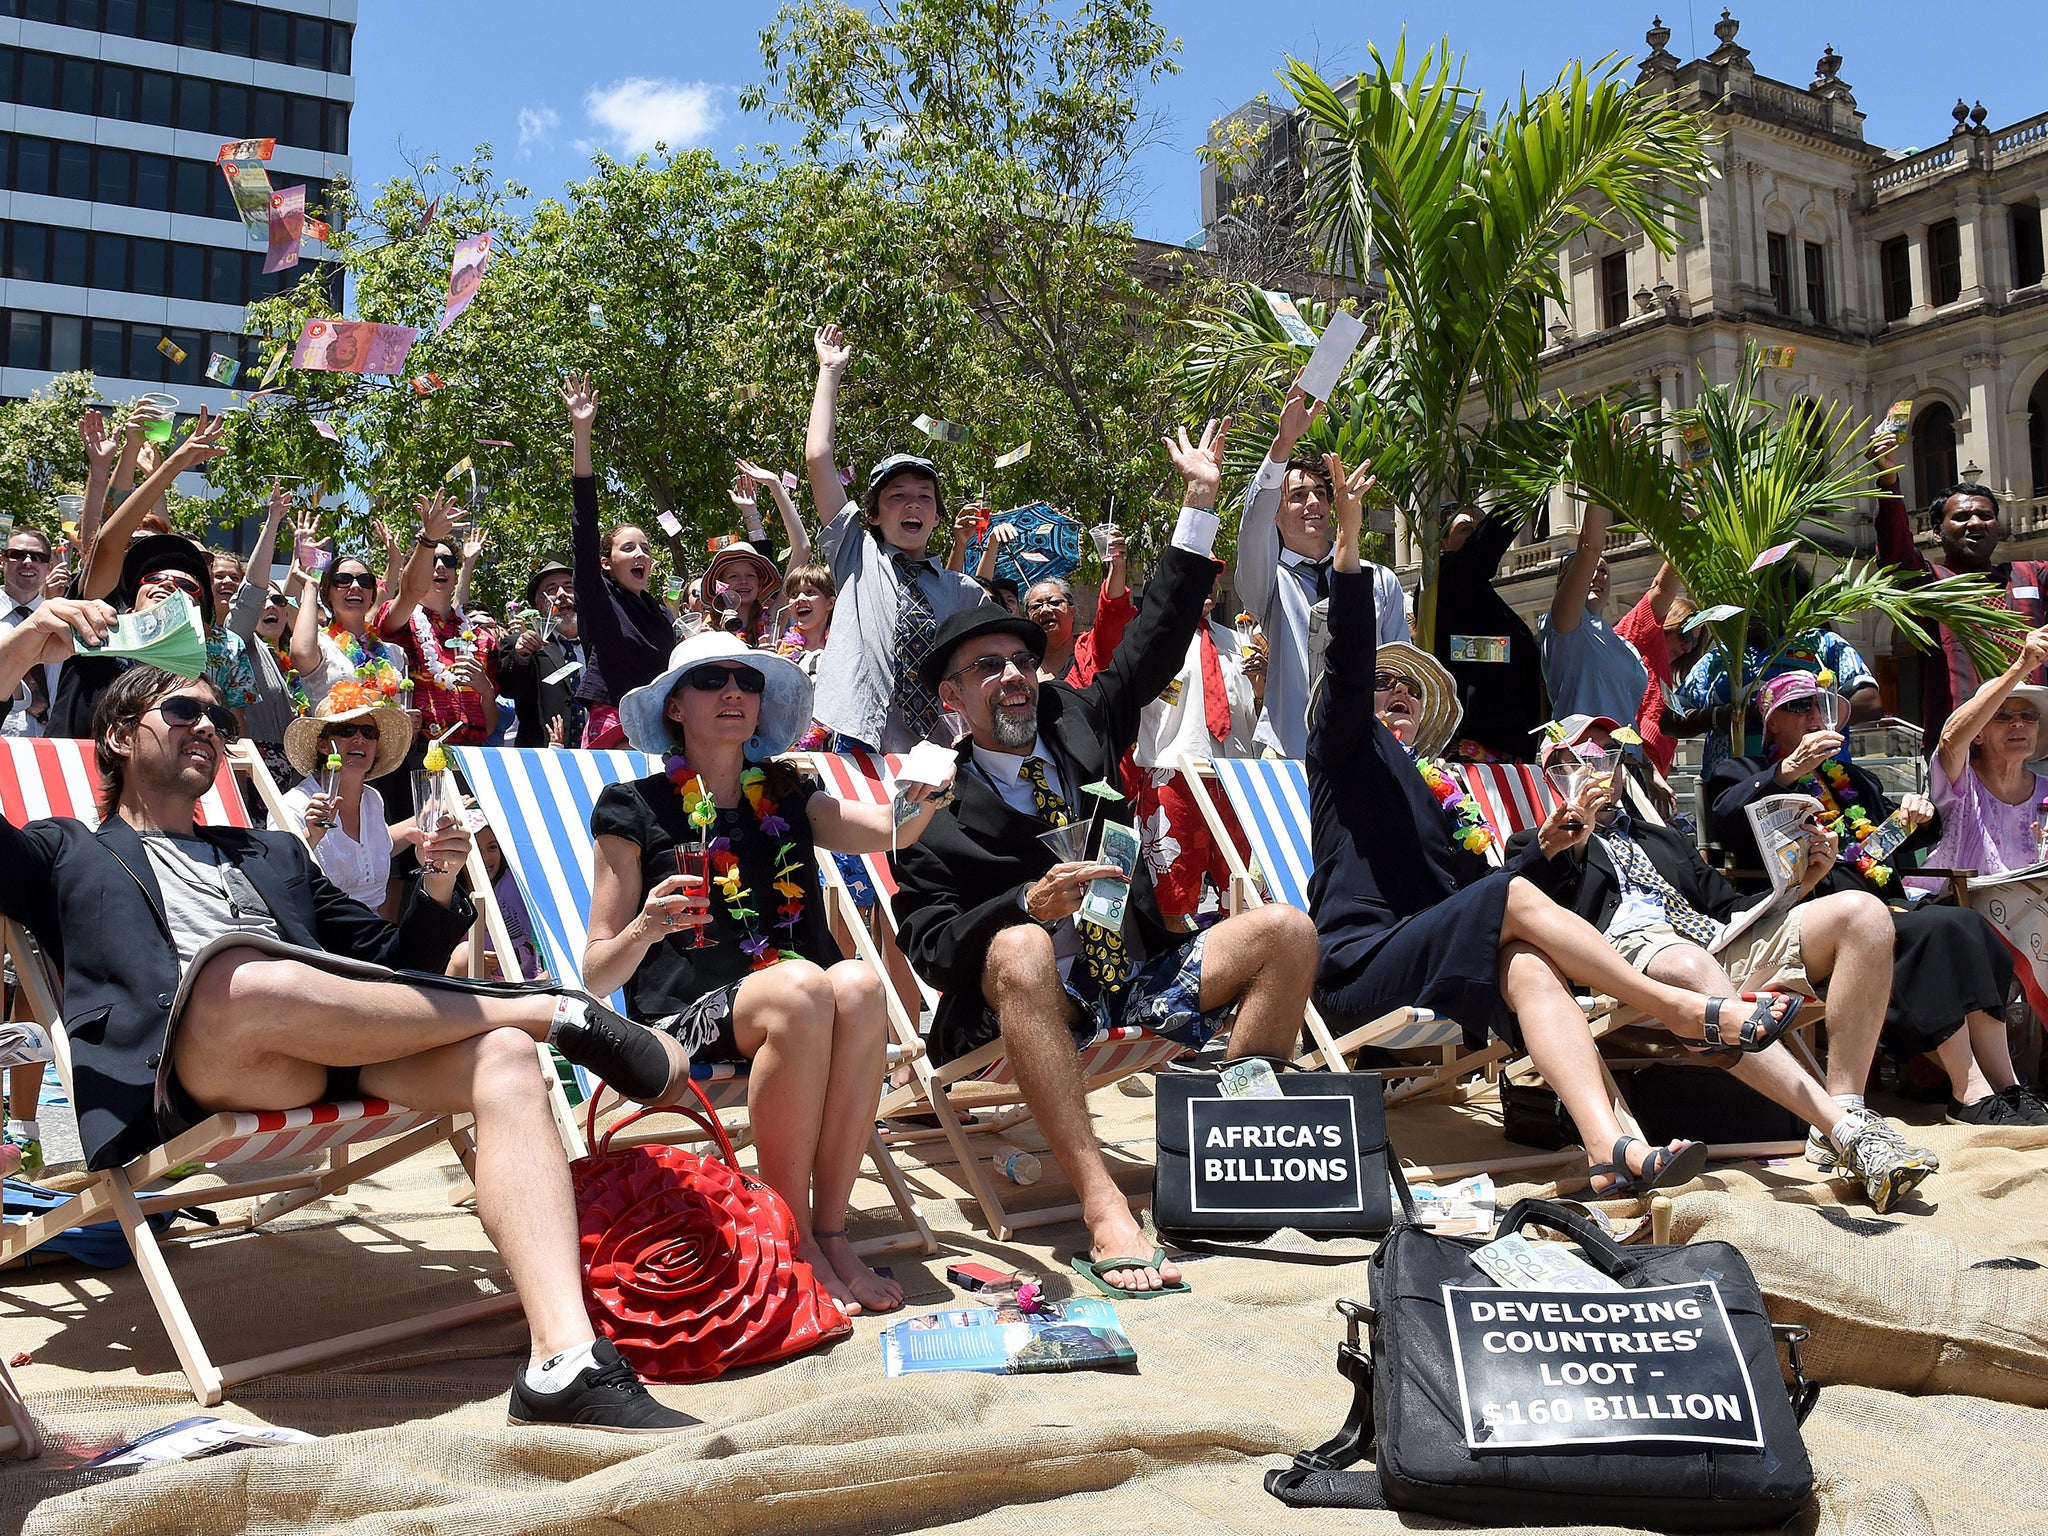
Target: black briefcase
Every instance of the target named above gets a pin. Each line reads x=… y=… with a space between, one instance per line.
x=1660 y=1405
x=1237 y=1169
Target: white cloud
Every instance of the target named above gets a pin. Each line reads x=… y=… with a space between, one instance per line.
x=639 y=113
x=537 y=125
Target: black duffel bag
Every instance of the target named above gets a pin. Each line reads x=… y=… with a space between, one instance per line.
x=1238 y=1169
x=1613 y=1453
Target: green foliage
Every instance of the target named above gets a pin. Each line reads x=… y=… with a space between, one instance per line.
x=41 y=454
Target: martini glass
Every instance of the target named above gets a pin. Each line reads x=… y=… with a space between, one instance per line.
x=1834 y=709
x=1069 y=844
x=1572 y=772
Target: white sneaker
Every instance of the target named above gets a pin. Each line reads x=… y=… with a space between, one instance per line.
x=1888 y=1166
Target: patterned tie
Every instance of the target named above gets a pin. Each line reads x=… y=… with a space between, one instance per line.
x=1685 y=919
x=1102 y=952
x=916 y=628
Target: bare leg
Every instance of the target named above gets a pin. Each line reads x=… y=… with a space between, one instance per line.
x=1977 y=1058
x=523 y=1193
x=1845 y=940
x=1773 y=1073
x=860 y=1024
x=1022 y=983
x=1266 y=959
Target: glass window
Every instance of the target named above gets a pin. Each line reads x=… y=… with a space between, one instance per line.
x=109 y=345
x=113 y=181
x=24 y=340
x=144 y=361
x=236 y=33
x=32 y=165
x=192 y=185
x=74 y=171
x=67 y=256
x=1816 y=283
x=67 y=343
x=38 y=80
x=1934 y=452
x=82 y=13
x=270 y=114
x=337 y=129
x=7 y=162
x=1614 y=289
x=1778 y=251
x=273 y=41
x=122 y=17
x=198 y=29
x=231 y=111
x=117 y=91
x=221 y=201
x=79 y=92
x=156 y=98
x=1895 y=259
x=225 y=279
x=109 y=260
x=193 y=369
x=149 y=257
x=195 y=104
x=51 y=11
x=160 y=20
x=1944 y=262
x=188 y=271
x=28 y=253
x=339 y=36
x=152 y=182
x=2025 y=219
x=306 y=121
x=309 y=42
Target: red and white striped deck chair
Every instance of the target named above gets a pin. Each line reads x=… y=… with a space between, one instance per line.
x=54 y=777
x=1513 y=797
x=982 y=1079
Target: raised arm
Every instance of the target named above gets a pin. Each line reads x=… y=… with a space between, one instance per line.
x=101 y=449
x=247 y=607
x=305 y=641
x=439 y=522
x=472 y=550
x=103 y=566
x=963 y=531
x=1340 y=724
x=820 y=457
x=1568 y=607
x=999 y=535
x=1664 y=591
x=1975 y=713
x=1895 y=544
x=1258 y=529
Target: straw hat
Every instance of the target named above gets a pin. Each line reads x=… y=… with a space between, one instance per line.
x=1438 y=711
x=741 y=554
x=349 y=700
x=785 y=701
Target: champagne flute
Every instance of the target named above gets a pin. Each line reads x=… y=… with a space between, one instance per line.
x=696 y=863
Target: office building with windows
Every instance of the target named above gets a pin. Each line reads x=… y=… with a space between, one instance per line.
x=117 y=229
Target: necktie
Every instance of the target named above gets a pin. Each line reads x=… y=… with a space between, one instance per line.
x=1107 y=961
x=916 y=628
x=1314 y=575
x=1215 y=695
x=1685 y=919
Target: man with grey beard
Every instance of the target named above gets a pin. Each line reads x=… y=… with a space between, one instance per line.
x=988 y=911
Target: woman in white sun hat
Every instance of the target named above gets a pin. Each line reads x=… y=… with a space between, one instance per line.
x=741 y=968
x=344 y=823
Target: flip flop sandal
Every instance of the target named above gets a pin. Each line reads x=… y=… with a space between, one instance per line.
x=1663 y=1168
x=1093 y=1270
x=1760 y=1031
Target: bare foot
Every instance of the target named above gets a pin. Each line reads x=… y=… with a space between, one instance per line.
x=814 y=1255
x=875 y=1293
x=1117 y=1235
x=1636 y=1155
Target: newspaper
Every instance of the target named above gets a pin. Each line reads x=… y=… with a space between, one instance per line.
x=1779 y=822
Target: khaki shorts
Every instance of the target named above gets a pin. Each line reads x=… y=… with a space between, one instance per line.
x=1766 y=957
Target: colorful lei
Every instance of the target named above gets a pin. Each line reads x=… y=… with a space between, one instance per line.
x=702 y=812
x=1468 y=828
x=372 y=668
x=1831 y=786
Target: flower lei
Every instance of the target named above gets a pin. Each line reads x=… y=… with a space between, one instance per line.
x=1830 y=785
x=702 y=812
x=373 y=670
x=432 y=655
x=1468 y=828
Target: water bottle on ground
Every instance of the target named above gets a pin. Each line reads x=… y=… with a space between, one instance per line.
x=1018 y=1166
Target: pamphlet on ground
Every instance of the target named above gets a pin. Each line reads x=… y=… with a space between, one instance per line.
x=189 y=1439
x=1082 y=1334
x=1463 y=1209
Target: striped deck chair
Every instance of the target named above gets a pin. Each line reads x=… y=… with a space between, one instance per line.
x=539 y=801
x=1513 y=797
x=982 y=1079
x=54 y=777
x=1270 y=799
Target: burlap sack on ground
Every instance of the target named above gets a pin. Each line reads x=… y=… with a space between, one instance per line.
x=1231 y=1381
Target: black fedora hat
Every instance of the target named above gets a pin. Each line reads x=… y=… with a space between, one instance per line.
x=547 y=569
x=971 y=624
x=166 y=552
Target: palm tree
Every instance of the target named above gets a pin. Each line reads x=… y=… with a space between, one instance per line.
x=1735 y=505
x=1462 y=224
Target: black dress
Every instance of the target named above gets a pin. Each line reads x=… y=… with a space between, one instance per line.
x=1503 y=700
x=1403 y=916
x=689 y=992
x=1947 y=962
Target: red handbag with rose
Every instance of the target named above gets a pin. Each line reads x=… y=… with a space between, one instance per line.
x=689 y=1264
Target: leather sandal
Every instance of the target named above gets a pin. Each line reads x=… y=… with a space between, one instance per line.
x=1760 y=1031
x=1664 y=1167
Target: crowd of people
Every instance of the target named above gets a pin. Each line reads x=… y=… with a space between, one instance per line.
x=327 y=954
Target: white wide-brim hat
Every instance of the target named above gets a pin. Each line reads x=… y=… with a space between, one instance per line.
x=785 y=700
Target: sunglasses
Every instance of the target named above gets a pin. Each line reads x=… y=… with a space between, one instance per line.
x=28 y=556
x=178 y=579
x=989 y=668
x=276 y=600
x=1387 y=682
x=1810 y=705
x=354 y=730
x=714 y=679
x=184 y=711
x=450 y=561
x=2015 y=716
x=356 y=579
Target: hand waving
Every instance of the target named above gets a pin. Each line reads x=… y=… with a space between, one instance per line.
x=101 y=446
x=833 y=349
x=440 y=518
x=1200 y=465
x=1296 y=417
x=580 y=398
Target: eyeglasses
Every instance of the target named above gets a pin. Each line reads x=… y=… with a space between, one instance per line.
x=28 y=556
x=178 y=579
x=989 y=668
x=2015 y=716
x=1048 y=602
x=355 y=579
x=354 y=730
x=276 y=600
x=183 y=711
x=451 y=561
x=714 y=679
x=1387 y=682
x=1810 y=705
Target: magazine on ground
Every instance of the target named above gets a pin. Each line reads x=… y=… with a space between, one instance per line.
x=1078 y=1335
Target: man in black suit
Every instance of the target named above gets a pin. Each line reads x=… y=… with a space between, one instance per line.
x=985 y=907
x=208 y=969
x=1678 y=920
x=540 y=665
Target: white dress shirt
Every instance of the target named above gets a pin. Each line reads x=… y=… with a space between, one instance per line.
x=19 y=722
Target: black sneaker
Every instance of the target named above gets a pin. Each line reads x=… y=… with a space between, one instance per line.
x=1995 y=1109
x=605 y=1395
x=628 y=1056
x=2026 y=1104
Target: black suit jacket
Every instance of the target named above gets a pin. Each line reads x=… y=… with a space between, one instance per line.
x=92 y=898
x=960 y=883
x=524 y=679
x=1591 y=888
x=1739 y=782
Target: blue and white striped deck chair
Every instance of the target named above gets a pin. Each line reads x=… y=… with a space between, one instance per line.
x=1269 y=797
x=539 y=801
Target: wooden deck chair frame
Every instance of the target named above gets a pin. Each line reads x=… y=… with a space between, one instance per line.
x=126 y=1195
x=723 y=1085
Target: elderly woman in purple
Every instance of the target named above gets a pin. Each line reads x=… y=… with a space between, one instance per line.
x=1989 y=799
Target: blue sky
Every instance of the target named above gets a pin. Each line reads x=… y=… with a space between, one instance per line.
x=542 y=82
